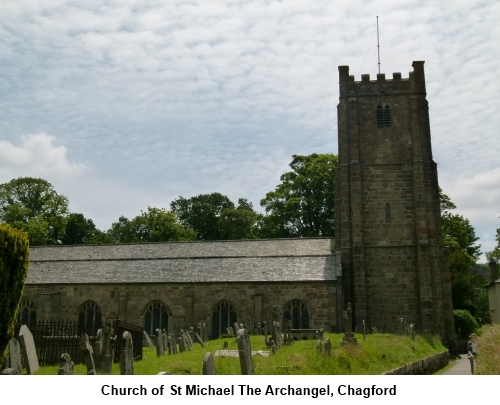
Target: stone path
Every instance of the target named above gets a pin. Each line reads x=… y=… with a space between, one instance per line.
x=459 y=366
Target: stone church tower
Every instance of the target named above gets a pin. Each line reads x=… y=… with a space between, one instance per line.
x=388 y=222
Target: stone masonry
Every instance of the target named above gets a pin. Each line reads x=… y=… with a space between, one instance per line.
x=388 y=224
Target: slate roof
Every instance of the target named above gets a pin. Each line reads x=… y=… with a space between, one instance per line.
x=276 y=260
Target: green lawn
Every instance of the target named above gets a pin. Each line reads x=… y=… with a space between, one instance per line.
x=379 y=353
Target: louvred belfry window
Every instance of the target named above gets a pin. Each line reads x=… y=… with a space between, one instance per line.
x=384 y=116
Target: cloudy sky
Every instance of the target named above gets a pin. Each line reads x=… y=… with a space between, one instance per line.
x=129 y=103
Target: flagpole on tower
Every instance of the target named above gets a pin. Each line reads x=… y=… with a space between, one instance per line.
x=378 y=48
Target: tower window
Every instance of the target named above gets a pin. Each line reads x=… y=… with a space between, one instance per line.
x=384 y=116
x=387 y=211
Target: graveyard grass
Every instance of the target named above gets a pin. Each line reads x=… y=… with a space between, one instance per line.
x=488 y=361
x=378 y=354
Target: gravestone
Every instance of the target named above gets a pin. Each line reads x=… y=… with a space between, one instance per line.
x=245 y=352
x=189 y=341
x=412 y=331
x=174 y=344
x=127 y=355
x=364 y=330
x=66 y=366
x=328 y=347
x=225 y=345
x=106 y=340
x=159 y=343
x=98 y=342
x=236 y=327
x=103 y=361
x=88 y=352
x=182 y=347
x=148 y=340
x=191 y=333
x=164 y=340
x=319 y=346
x=264 y=327
x=349 y=337
x=277 y=334
x=200 y=340
x=14 y=360
x=209 y=364
x=28 y=349
x=230 y=331
x=205 y=332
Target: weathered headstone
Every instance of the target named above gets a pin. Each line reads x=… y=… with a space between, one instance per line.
x=209 y=364
x=66 y=366
x=225 y=345
x=106 y=340
x=148 y=340
x=182 y=346
x=200 y=340
x=236 y=327
x=319 y=347
x=127 y=355
x=205 y=332
x=191 y=333
x=88 y=352
x=14 y=360
x=159 y=343
x=412 y=331
x=349 y=337
x=98 y=342
x=245 y=352
x=164 y=340
x=174 y=344
x=364 y=330
x=28 y=349
x=189 y=341
x=328 y=346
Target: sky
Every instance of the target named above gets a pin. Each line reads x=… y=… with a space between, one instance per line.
x=126 y=104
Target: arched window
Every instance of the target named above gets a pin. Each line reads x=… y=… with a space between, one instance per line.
x=387 y=211
x=223 y=316
x=384 y=116
x=155 y=317
x=27 y=312
x=297 y=314
x=89 y=318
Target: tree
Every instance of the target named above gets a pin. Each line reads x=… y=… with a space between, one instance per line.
x=32 y=205
x=14 y=261
x=302 y=205
x=155 y=225
x=239 y=222
x=460 y=238
x=201 y=214
x=495 y=253
x=80 y=230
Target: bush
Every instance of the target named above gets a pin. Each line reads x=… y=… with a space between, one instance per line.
x=465 y=323
x=14 y=261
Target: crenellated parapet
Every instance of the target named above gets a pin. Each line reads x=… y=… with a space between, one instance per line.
x=397 y=85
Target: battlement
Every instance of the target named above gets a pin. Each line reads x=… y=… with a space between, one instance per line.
x=414 y=84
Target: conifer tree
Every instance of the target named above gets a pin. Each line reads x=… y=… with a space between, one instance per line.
x=14 y=262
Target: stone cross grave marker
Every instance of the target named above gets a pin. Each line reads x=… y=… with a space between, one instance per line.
x=245 y=352
x=88 y=352
x=14 y=360
x=29 y=351
x=148 y=340
x=127 y=355
x=209 y=364
x=66 y=366
x=349 y=337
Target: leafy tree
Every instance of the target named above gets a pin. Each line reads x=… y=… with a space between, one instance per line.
x=81 y=230
x=495 y=253
x=32 y=205
x=239 y=222
x=460 y=238
x=201 y=214
x=155 y=225
x=465 y=324
x=302 y=205
x=14 y=261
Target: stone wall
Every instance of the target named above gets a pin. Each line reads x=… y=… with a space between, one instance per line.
x=187 y=303
x=427 y=366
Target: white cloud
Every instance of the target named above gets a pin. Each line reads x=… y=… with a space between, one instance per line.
x=37 y=156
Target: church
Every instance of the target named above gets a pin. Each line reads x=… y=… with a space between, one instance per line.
x=387 y=258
